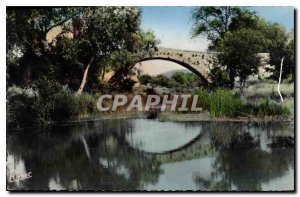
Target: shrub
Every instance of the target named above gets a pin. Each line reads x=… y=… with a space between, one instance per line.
x=161 y=80
x=145 y=79
x=46 y=90
x=64 y=105
x=68 y=104
x=266 y=108
x=184 y=80
x=22 y=108
x=219 y=77
x=47 y=101
x=85 y=104
x=203 y=99
x=224 y=103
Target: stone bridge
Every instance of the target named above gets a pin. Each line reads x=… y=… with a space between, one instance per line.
x=203 y=76
x=197 y=62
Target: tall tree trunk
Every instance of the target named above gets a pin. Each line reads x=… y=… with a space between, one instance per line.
x=83 y=81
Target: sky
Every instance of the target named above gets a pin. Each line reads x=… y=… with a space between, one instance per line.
x=172 y=25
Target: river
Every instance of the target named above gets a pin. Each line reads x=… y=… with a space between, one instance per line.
x=142 y=154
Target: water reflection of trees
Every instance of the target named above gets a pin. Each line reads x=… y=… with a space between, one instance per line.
x=96 y=156
x=83 y=157
x=241 y=163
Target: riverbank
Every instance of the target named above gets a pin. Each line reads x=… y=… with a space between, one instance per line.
x=164 y=117
x=27 y=108
x=192 y=117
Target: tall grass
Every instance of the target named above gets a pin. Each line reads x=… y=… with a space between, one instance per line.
x=267 y=108
x=203 y=99
x=68 y=104
x=225 y=103
x=268 y=90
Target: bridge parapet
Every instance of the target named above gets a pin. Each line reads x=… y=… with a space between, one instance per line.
x=201 y=61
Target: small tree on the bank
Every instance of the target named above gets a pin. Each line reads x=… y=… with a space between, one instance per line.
x=238 y=53
x=280 y=44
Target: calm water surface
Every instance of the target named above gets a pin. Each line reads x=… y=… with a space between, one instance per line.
x=141 y=154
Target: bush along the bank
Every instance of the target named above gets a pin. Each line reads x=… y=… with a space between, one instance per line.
x=224 y=103
x=22 y=108
x=45 y=101
x=267 y=108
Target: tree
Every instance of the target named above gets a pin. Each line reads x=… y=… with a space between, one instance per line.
x=145 y=79
x=103 y=30
x=146 y=44
x=213 y=21
x=290 y=57
x=87 y=38
x=238 y=53
x=149 y=43
x=219 y=77
x=182 y=79
x=27 y=45
x=222 y=24
x=245 y=19
x=280 y=44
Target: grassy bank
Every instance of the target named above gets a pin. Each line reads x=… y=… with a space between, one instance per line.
x=269 y=90
x=205 y=116
x=48 y=102
x=225 y=103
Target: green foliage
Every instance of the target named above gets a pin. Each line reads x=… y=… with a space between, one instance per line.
x=27 y=44
x=120 y=59
x=184 y=79
x=224 y=103
x=145 y=79
x=213 y=21
x=64 y=105
x=21 y=110
x=68 y=104
x=219 y=77
x=203 y=99
x=46 y=90
x=87 y=37
x=148 y=43
x=280 y=44
x=244 y=19
x=48 y=101
x=240 y=37
x=265 y=108
x=161 y=80
x=238 y=53
x=178 y=80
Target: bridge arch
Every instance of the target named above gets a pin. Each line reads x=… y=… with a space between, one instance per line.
x=120 y=74
x=203 y=80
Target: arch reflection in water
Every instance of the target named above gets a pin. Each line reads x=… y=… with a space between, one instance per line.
x=158 y=137
x=100 y=156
